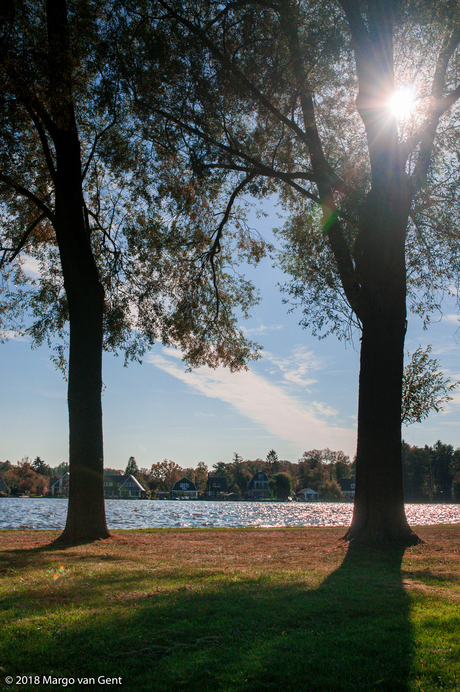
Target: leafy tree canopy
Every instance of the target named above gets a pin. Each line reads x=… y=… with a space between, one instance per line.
x=425 y=389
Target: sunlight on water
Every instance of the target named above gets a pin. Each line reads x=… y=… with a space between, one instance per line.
x=27 y=513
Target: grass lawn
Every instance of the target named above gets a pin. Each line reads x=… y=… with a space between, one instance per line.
x=230 y=610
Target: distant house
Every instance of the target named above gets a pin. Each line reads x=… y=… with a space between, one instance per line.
x=114 y=487
x=258 y=486
x=60 y=488
x=216 y=485
x=122 y=487
x=3 y=487
x=184 y=488
x=308 y=495
x=347 y=487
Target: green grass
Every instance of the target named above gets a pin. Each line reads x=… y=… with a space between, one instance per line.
x=206 y=611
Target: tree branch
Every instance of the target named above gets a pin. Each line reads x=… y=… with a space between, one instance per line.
x=215 y=249
x=43 y=139
x=242 y=79
x=22 y=242
x=93 y=149
x=258 y=167
x=427 y=133
x=326 y=177
x=29 y=195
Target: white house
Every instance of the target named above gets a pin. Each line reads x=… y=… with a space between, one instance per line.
x=60 y=488
x=308 y=495
x=123 y=487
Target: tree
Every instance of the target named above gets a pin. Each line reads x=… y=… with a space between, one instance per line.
x=43 y=190
x=131 y=467
x=330 y=490
x=281 y=483
x=441 y=461
x=201 y=476
x=41 y=467
x=115 y=263
x=430 y=473
x=22 y=479
x=425 y=388
x=272 y=462
x=164 y=474
x=240 y=474
x=295 y=98
x=417 y=475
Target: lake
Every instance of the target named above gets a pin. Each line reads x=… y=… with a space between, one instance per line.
x=43 y=513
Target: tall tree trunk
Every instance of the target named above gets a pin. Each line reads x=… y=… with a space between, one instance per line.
x=86 y=512
x=379 y=515
x=85 y=295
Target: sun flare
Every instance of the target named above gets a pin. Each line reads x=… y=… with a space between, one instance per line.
x=402 y=102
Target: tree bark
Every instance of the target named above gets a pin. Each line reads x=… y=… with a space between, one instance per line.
x=379 y=516
x=85 y=295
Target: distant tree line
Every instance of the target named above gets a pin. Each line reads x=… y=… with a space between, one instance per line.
x=430 y=474
x=316 y=469
x=30 y=477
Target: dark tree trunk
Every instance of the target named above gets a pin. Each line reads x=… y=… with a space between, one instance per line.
x=380 y=303
x=86 y=512
x=379 y=516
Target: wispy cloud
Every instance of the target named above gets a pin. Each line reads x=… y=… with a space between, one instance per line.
x=453 y=318
x=53 y=394
x=10 y=335
x=262 y=329
x=264 y=403
x=31 y=267
x=297 y=368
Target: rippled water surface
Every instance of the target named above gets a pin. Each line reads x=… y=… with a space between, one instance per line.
x=27 y=513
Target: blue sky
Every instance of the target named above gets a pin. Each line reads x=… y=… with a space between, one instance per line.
x=301 y=395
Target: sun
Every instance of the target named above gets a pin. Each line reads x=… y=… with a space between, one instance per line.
x=402 y=102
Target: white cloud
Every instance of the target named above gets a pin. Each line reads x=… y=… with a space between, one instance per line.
x=262 y=329
x=296 y=368
x=263 y=402
x=452 y=319
x=53 y=394
x=323 y=409
x=31 y=267
x=10 y=335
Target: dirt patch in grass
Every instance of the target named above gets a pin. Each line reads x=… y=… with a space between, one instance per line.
x=289 y=548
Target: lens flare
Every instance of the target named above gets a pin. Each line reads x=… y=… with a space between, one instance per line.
x=61 y=571
x=402 y=102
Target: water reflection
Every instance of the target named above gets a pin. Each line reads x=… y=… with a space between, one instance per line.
x=30 y=513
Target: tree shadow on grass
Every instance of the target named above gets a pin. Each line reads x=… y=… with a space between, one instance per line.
x=351 y=633
x=224 y=633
